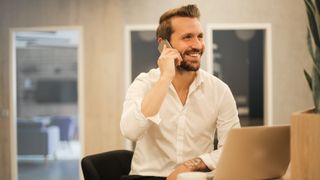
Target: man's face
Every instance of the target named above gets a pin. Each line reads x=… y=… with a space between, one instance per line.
x=187 y=38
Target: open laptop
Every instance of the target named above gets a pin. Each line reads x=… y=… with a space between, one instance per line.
x=255 y=153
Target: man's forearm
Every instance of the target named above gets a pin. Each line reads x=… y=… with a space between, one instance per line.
x=152 y=101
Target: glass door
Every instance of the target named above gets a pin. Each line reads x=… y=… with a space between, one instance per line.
x=47 y=123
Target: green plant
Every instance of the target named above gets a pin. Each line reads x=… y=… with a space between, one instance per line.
x=313 y=10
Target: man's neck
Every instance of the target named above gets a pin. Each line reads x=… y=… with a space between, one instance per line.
x=183 y=79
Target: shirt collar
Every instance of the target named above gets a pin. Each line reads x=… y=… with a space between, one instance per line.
x=197 y=81
x=199 y=78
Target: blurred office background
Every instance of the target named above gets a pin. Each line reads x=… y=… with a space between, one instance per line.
x=114 y=37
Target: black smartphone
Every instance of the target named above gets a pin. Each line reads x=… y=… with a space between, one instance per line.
x=164 y=42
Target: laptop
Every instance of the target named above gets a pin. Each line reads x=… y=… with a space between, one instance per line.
x=261 y=152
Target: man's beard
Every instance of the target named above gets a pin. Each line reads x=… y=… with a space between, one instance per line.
x=187 y=65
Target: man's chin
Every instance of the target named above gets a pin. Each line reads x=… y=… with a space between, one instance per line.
x=188 y=67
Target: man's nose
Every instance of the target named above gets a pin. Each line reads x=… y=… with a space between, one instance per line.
x=197 y=43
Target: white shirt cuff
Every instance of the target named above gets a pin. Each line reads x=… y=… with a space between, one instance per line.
x=207 y=159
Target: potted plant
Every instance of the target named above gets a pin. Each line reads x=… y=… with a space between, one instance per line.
x=305 y=126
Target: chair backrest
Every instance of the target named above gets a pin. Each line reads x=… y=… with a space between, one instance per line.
x=107 y=166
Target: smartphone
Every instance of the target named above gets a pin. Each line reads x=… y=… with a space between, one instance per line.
x=164 y=42
x=168 y=45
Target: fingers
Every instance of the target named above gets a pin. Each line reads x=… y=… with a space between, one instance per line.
x=178 y=60
x=169 y=59
x=164 y=47
x=171 y=53
x=166 y=62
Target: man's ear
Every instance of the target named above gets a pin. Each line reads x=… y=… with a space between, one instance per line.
x=159 y=40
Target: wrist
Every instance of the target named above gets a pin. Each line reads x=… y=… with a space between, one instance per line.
x=195 y=164
x=192 y=164
x=166 y=78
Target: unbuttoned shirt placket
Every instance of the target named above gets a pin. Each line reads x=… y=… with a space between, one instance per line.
x=182 y=122
x=180 y=135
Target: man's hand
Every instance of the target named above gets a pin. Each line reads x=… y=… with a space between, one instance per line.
x=152 y=102
x=167 y=62
x=180 y=169
x=195 y=164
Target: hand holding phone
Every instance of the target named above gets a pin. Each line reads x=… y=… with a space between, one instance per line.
x=168 y=45
x=164 y=42
x=169 y=59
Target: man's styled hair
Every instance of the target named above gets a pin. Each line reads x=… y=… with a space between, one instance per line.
x=164 y=29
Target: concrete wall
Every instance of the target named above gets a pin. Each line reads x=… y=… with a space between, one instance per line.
x=103 y=22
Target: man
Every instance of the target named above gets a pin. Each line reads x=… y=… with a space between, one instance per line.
x=173 y=112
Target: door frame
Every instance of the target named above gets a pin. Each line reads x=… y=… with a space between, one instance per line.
x=13 y=87
x=267 y=60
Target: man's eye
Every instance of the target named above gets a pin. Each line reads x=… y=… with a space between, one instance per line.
x=187 y=37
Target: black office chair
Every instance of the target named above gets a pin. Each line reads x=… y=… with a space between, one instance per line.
x=107 y=166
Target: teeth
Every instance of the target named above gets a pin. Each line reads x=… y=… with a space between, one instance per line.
x=195 y=55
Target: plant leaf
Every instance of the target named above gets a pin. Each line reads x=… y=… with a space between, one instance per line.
x=313 y=22
x=316 y=89
x=316 y=61
x=310 y=48
x=318 y=5
x=309 y=2
x=308 y=78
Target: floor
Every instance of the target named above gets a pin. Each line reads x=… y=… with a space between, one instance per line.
x=63 y=166
x=52 y=170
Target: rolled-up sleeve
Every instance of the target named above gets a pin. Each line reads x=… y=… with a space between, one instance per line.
x=133 y=123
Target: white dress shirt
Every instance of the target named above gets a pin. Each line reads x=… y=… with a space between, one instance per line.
x=178 y=132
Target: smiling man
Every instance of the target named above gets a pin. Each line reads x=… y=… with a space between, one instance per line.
x=172 y=112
